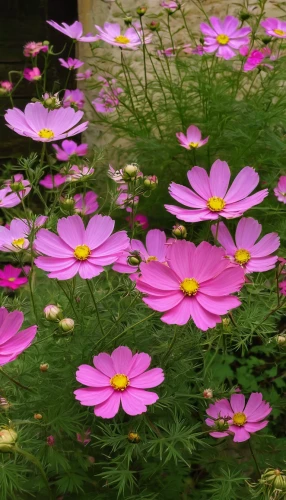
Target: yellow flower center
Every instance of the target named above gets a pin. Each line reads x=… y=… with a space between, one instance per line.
x=151 y=258
x=82 y=252
x=18 y=243
x=216 y=204
x=46 y=133
x=11 y=279
x=122 y=39
x=239 y=419
x=119 y=382
x=242 y=256
x=189 y=286
x=193 y=144
x=222 y=39
x=279 y=32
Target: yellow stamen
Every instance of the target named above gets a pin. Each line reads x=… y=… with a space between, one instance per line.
x=119 y=382
x=242 y=256
x=18 y=243
x=222 y=39
x=279 y=32
x=11 y=279
x=82 y=252
x=122 y=39
x=151 y=258
x=239 y=419
x=189 y=286
x=193 y=144
x=216 y=204
x=46 y=133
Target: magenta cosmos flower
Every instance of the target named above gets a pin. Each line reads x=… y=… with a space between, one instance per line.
x=235 y=418
x=69 y=149
x=53 y=181
x=73 y=31
x=280 y=189
x=171 y=6
x=86 y=204
x=5 y=87
x=139 y=220
x=86 y=75
x=252 y=256
x=42 y=124
x=10 y=199
x=73 y=98
x=223 y=36
x=196 y=284
x=212 y=198
x=32 y=75
x=79 y=250
x=13 y=342
x=118 y=378
x=32 y=49
x=131 y=39
x=15 y=238
x=274 y=27
x=10 y=277
x=192 y=139
x=154 y=250
x=71 y=63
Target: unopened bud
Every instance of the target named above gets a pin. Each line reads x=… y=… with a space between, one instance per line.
x=266 y=39
x=128 y=20
x=53 y=312
x=150 y=182
x=208 y=393
x=4 y=404
x=3 y=91
x=67 y=325
x=91 y=459
x=221 y=424
x=225 y=323
x=153 y=26
x=16 y=187
x=129 y=172
x=67 y=204
x=244 y=15
x=281 y=340
x=8 y=438
x=46 y=42
x=141 y=11
x=275 y=478
x=133 y=437
x=179 y=231
x=38 y=416
x=134 y=259
x=50 y=440
x=44 y=367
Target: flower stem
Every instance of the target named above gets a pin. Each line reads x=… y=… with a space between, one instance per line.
x=171 y=345
x=35 y=461
x=95 y=306
x=253 y=456
x=15 y=381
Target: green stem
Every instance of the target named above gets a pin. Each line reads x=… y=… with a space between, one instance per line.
x=35 y=461
x=95 y=306
x=126 y=330
x=69 y=71
x=15 y=381
x=171 y=345
x=253 y=456
x=69 y=298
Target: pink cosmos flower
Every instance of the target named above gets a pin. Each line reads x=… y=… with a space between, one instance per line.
x=116 y=175
x=244 y=50
x=235 y=418
x=9 y=198
x=224 y=36
x=252 y=256
x=282 y=286
x=73 y=31
x=198 y=50
x=196 y=284
x=32 y=75
x=107 y=100
x=126 y=200
x=14 y=239
x=13 y=342
x=171 y=6
x=274 y=27
x=131 y=39
x=86 y=75
x=255 y=59
x=86 y=204
x=155 y=250
x=50 y=440
x=84 y=438
x=79 y=250
x=193 y=138
x=42 y=124
x=53 y=181
x=6 y=86
x=15 y=178
x=32 y=49
x=79 y=173
x=140 y=220
x=212 y=198
x=73 y=98
x=9 y=277
x=71 y=63
x=169 y=52
x=119 y=378
x=69 y=149
x=279 y=190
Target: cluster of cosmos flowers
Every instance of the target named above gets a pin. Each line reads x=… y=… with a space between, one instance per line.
x=180 y=280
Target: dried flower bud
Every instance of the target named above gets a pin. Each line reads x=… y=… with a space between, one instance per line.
x=134 y=259
x=179 y=231
x=244 y=15
x=8 y=438
x=67 y=325
x=129 y=172
x=154 y=26
x=38 y=416
x=91 y=459
x=53 y=312
x=133 y=437
x=225 y=323
x=141 y=11
x=266 y=39
x=44 y=367
x=208 y=393
x=150 y=182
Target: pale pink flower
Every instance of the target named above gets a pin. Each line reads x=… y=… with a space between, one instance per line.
x=131 y=39
x=279 y=190
x=198 y=50
x=169 y=52
x=170 y=6
x=10 y=199
x=74 y=98
x=274 y=27
x=15 y=238
x=154 y=250
x=213 y=198
x=15 y=179
x=12 y=341
x=79 y=250
x=223 y=36
x=107 y=100
x=71 y=63
x=6 y=86
x=74 y=31
x=10 y=277
x=140 y=220
x=118 y=378
x=237 y=419
x=252 y=256
x=86 y=75
x=86 y=204
x=53 y=181
x=84 y=438
x=69 y=149
x=126 y=200
x=42 y=124
x=197 y=283
x=32 y=49
x=32 y=75
x=50 y=440
x=282 y=286
x=192 y=139
x=78 y=173
x=116 y=175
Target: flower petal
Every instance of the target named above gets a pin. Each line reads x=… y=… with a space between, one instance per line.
x=121 y=358
x=108 y=408
x=219 y=178
x=244 y=183
x=91 y=377
x=104 y=364
x=198 y=178
x=237 y=402
x=88 y=396
x=247 y=232
x=71 y=230
x=148 y=379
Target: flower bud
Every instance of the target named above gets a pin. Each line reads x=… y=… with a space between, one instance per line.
x=275 y=478
x=46 y=42
x=208 y=393
x=225 y=323
x=4 y=404
x=141 y=11
x=129 y=172
x=154 y=26
x=134 y=259
x=16 y=187
x=133 y=437
x=150 y=182
x=179 y=231
x=128 y=20
x=67 y=204
x=44 y=367
x=67 y=325
x=221 y=424
x=266 y=39
x=38 y=416
x=244 y=15
x=202 y=40
x=281 y=340
x=50 y=440
x=91 y=459
x=8 y=438
x=53 y=312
